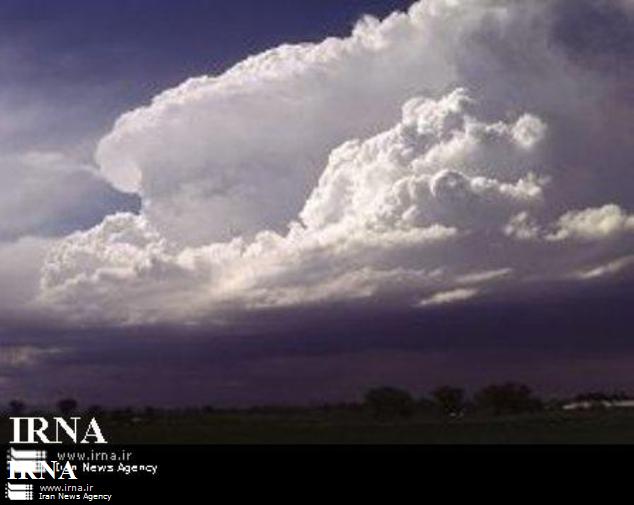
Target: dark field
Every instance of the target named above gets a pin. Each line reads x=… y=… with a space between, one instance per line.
x=308 y=427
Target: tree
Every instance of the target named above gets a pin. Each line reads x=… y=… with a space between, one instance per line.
x=509 y=398
x=451 y=400
x=389 y=403
x=67 y=406
x=17 y=407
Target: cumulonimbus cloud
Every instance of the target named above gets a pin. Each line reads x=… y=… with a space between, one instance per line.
x=410 y=161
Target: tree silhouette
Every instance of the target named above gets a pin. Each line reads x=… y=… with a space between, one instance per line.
x=451 y=400
x=67 y=406
x=17 y=407
x=389 y=403
x=509 y=398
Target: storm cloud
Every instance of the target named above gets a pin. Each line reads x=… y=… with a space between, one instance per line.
x=404 y=164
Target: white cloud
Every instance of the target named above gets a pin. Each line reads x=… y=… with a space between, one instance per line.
x=229 y=155
x=119 y=271
x=486 y=276
x=447 y=297
x=608 y=269
x=522 y=226
x=124 y=272
x=594 y=224
x=588 y=225
x=400 y=177
x=381 y=207
x=291 y=179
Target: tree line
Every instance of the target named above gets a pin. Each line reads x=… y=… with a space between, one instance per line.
x=497 y=399
x=385 y=403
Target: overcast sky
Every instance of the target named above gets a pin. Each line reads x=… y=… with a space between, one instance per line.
x=272 y=201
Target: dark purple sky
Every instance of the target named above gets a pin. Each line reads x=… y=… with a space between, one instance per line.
x=88 y=62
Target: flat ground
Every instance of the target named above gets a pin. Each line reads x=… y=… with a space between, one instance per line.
x=318 y=427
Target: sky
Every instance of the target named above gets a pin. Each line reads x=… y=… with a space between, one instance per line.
x=211 y=202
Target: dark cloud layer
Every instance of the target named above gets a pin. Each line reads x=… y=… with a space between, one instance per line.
x=570 y=344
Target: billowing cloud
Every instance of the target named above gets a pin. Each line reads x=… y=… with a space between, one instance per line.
x=294 y=179
x=594 y=224
x=438 y=165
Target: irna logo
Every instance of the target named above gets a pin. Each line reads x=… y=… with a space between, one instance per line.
x=33 y=465
x=36 y=430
